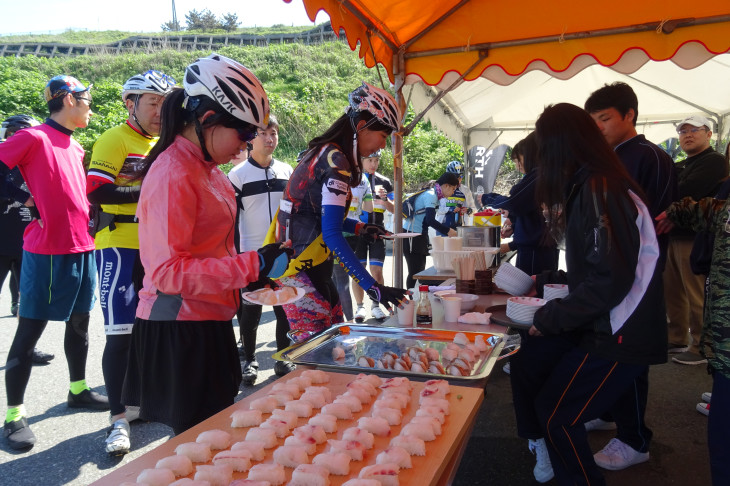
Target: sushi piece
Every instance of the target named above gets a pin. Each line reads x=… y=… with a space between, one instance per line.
x=290 y=418
x=436 y=367
x=366 y=362
x=265 y=404
x=374 y=380
x=443 y=385
x=481 y=344
x=413 y=445
x=442 y=403
x=468 y=355
x=352 y=448
x=360 y=435
x=302 y=381
x=418 y=367
x=460 y=338
x=290 y=456
x=375 y=425
x=457 y=370
x=216 y=475
x=453 y=346
x=430 y=421
x=418 y=430
x=280 y=428
x=431 y=391
x=391 y=401
x=273 y=473
x=309 y=444
x=195 y=451
x=239 y=460
x=388 y=361
x=267 y=436
x=338 y=463
x=397 y=381
x=338 y=410
x=299 y=407
x=392 y=415
x=246 y=418
x=401 y=365
x=317 y=377
x=326 y=393
x=353 y=403
x=255 y=447
x=434 y=412
x=397 y=393
x=415 y=351
x=386 y=473
x=406 y=359
x=449 y=354
x=216 y=439
x=315 y=432
x=472 y=348
x=179 y=465
x=156 y=477
x=362 y=482
x=395 y=455
x=432 y=354
x=382 y=365
x=290 y=388
x=360 y=394
x=315 y=399
x=189 y=482
x=338 y=354
x=326 y=421
x=310 y=475
x=282 y=398
x=365 y=385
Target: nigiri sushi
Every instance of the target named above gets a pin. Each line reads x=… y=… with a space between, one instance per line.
x=460 y=338
x=299 y=407
x=430 y=421
x=254 y=447
x=156 y=477
x=326 y=421
x=396 y=455
x=216 y=475
x=339 y=410
x=374 y=380
x=290 y=418
x=360 y=435
x=317 y=377
x=375 y=425
x=418 y=430
x=414 y=445
x=216 y=439
x=443 y=404
x=392 y=415
x=273 y=473
x=265 y=404
x=310 y=475
x=309 y=444
x=352 y=402
x=195 y=451
x=387 y=473
x=338 y=463
x=280 y=428
x=239 y=460
x=314 y=431
x=178 y=464
x=290 y=456
x=352 y=448
x=246 y=418
x=267 y=436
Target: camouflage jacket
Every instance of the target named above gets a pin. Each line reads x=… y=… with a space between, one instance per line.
x=712 y=214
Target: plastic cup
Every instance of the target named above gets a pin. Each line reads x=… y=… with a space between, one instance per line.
x=452 y=308
x=405 y=315
x=437 y=242
x=452 y=243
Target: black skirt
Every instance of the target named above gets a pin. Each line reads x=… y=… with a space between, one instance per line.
x=181 y=372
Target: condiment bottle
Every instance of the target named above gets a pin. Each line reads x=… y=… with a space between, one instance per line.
x=423 y=309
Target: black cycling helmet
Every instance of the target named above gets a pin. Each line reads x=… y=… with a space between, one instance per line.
x=14 y=123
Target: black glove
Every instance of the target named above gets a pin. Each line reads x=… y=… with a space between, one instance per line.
x=34 y=212
x=372 y=232
x=274 y=259
x=387 y=295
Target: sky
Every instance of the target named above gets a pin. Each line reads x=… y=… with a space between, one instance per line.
x=54 y=16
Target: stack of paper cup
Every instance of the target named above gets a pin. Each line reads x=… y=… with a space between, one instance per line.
x=554 y=291
x=437 y=243
x=453 y=243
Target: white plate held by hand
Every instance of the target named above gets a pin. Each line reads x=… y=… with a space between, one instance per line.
x=275 y=297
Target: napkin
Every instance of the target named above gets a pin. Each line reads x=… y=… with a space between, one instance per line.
x=475 y=318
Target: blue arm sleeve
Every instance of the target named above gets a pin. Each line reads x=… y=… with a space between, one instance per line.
x=364 y=216
x=350 y=226
x=332 y=228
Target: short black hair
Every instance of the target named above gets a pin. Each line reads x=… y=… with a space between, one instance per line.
x=616 y=95
x=449 y=178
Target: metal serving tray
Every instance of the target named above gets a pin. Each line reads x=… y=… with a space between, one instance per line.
x=371 y=341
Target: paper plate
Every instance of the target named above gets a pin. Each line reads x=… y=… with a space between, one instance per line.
x=499 y=317
x=402 y=235
x=253 y=297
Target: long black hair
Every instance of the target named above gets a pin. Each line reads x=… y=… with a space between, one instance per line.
x=341 y=133
x=527 y=148
x=568 y=140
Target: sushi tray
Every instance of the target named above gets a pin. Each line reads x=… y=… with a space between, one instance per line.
x=429 y=461
x=362 y=348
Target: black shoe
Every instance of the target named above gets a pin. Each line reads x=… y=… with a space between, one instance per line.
x=88 y=399
x=39 y=357
x=14 y=309
x=19 y=434
x=250 y=371
x=282 y=368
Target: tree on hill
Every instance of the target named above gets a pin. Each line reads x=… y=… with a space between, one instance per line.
x=204 y=20
x=171 y=26
x=229 y=22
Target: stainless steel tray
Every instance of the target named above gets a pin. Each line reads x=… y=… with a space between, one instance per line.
x=372 y=341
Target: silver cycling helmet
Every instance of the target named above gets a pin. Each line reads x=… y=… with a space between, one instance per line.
x=230 y=84
x=16 y=122
x=152 y=81
x=377 y=102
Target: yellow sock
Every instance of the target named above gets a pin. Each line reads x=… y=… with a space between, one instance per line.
x=77 y=387
x=15 y=413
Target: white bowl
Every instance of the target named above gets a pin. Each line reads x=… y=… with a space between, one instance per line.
x=512 y=280
x=522 y=309
x=554 y=291
x=468 y=301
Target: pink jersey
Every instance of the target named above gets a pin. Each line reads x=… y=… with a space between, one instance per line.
x=52 y=164
x=186 y=217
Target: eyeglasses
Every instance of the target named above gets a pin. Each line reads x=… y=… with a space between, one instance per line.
x=685 y=131
x=87 y=100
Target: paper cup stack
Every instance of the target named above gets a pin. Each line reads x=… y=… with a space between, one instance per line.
x=522 y=309
x=554 y=291
x=512 y=280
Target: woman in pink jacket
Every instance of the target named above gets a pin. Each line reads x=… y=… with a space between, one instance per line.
x=183 y=363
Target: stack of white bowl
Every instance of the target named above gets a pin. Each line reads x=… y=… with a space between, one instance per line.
x=554 y=291
x=522 y=309
x=512 y=280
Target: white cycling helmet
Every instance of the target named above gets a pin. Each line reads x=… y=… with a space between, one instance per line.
x=152 y=81
x=377 y=102
x=231 y=85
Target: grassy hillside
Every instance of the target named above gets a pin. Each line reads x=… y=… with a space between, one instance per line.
x=307 y=87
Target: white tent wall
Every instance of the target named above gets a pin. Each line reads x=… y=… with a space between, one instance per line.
x=481 y=112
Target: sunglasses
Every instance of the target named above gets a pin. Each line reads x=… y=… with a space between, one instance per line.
x=246 y=132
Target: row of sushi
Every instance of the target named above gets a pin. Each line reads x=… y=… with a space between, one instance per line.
x=456 y=359
x=386 y=411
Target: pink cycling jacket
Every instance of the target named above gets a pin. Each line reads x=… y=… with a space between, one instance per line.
x=186 y=217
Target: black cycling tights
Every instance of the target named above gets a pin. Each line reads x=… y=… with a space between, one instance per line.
x=114 y=365
x=20 y=356
x=248 y=323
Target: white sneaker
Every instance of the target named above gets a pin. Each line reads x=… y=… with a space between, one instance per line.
x=707 y=397
x=598 y=424
x=617 y=455
x=131 y=413
x=378 y=313
x=703 y=408
x=543 y=470
x=117 y=438
x=360 y=314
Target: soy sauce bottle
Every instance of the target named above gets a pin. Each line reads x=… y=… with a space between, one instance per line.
x=423 y=309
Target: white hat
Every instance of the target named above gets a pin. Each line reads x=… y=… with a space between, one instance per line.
x=696 y=121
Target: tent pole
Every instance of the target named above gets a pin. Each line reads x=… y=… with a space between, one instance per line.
x=397 y=142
